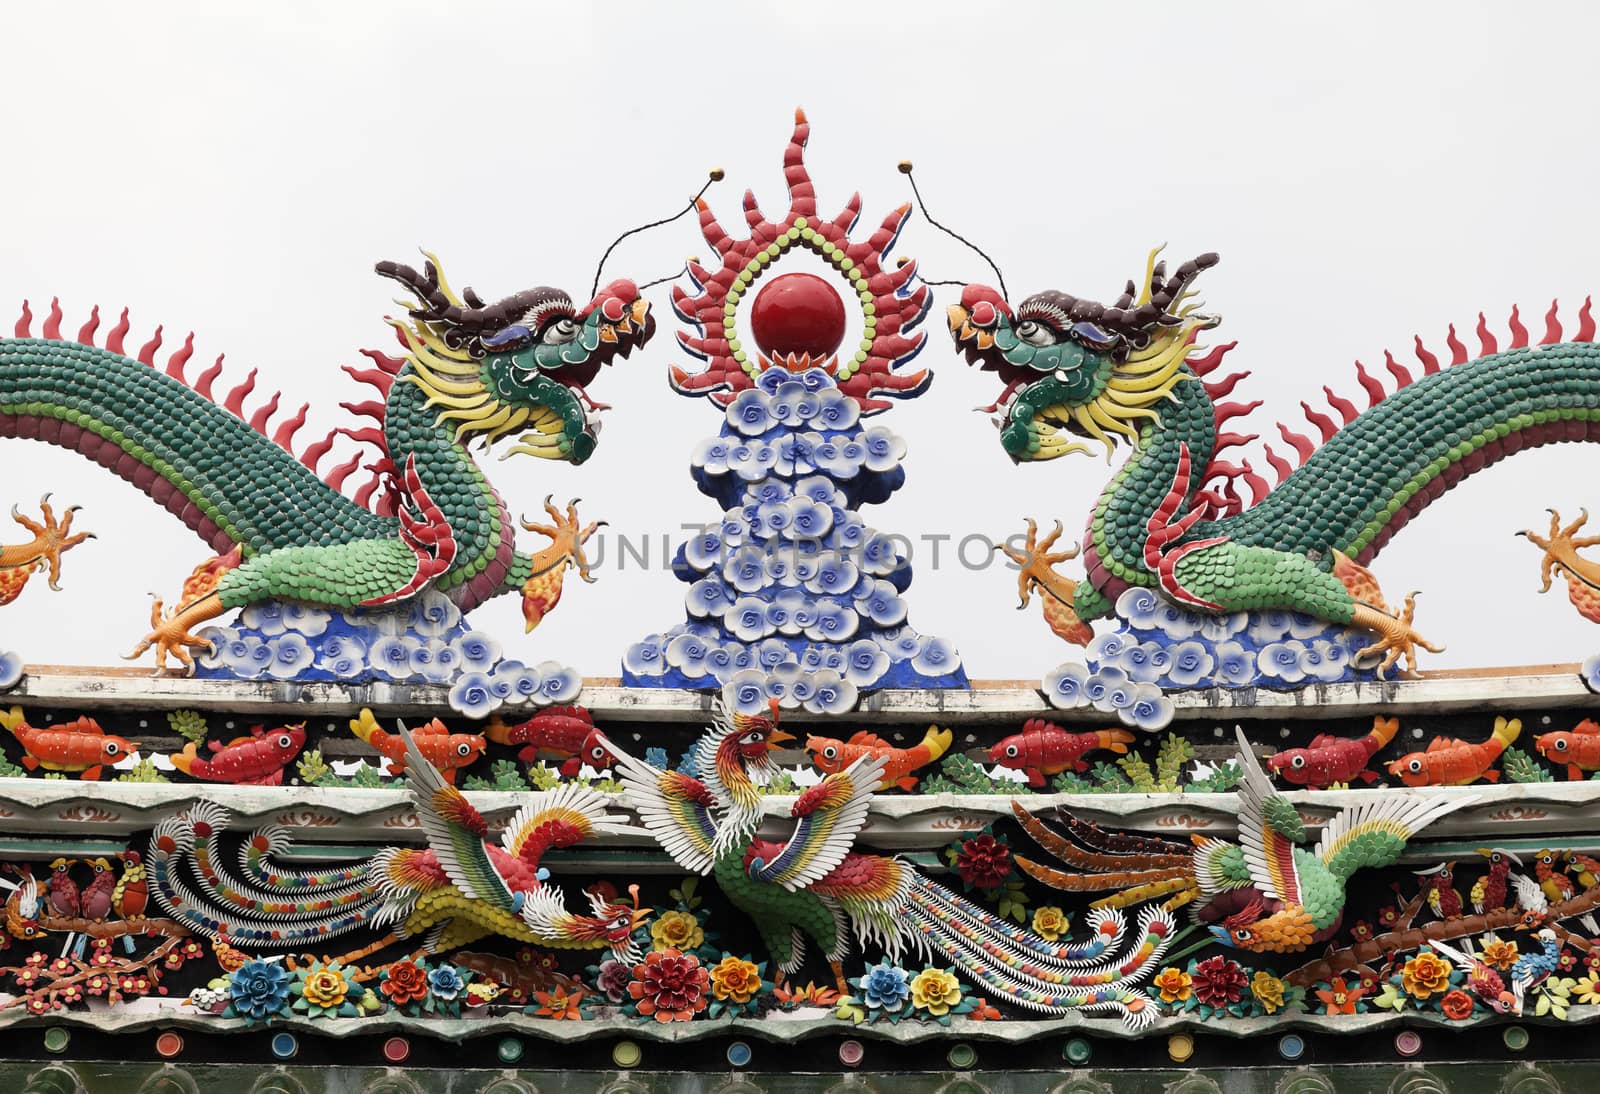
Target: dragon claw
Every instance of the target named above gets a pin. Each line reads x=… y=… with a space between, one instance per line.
x=51 y=540
x=1396 y=638
x=171 y=633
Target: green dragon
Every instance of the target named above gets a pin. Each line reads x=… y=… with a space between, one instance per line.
x=427 y=519
x=1172 y=517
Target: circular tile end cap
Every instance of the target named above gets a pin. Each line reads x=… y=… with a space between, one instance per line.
x=626 y=1054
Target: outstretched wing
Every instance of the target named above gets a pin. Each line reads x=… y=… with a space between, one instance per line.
x=562 y=817
x=1269 y=828
x=675 y=807
x=1373 y=834
x=455 y=831
x=828 y=817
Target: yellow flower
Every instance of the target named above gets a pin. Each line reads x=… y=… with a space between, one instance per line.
x=935 y=991
x=1588 y=989
x=1050 y=922
x=1425 y=975
x=735 y=978
x=1499 y=954
x=1173 y=983
x=326 y=987
x=676 y=931
x=1268 y=991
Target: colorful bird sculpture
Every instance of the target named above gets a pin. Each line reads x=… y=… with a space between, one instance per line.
x=1266 y=893
x=64 y=897
x=458 y=889
x=96 y=902
x=1490 y=892
x=814 y=887
x=1482 y=979
x=1549 y=869
x=1439 y=883
x=1534 y=967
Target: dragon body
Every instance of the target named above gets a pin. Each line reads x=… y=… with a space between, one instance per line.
x=428 y=518
x=1173 y=517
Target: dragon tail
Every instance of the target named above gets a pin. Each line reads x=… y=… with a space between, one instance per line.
x=1029 y=971
x=187 y=880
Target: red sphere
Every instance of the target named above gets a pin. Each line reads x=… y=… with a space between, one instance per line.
x=798 y=313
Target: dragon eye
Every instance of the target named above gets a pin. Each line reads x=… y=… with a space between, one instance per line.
x=559 y=332
x=1035 y=333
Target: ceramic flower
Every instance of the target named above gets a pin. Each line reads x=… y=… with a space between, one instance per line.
x=676 y=931
x=1219 y=981
x=669 y=986
x=1267 y=990
x=1064 y=685
x=1425 y=975
x=1456 y=1004
x=560 y=1004
x=984 y=862
x=1173 y=984
x=1588 y=989
x=473 y=696
x=325 y=990
x=446 y=983
x=735 y=979
x=1050 y=922
x=256 y=991
x=404 y=982
x=935 y=991
x=884 y=987
x=1339 y=997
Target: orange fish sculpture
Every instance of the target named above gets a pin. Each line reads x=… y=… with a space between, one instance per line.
x=1044 y=748
x=1578 y=748
x=1451 y=762
x=80 y=746
x=254 y=760
x=445 y=750
x=830 y=756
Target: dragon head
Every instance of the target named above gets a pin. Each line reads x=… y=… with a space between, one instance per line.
x=1077 y=367
x=522 y=363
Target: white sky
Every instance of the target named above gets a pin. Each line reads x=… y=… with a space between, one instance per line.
x=1366 y=170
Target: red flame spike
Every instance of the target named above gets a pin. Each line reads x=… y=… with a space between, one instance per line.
x=391 y=365
x=1486 y=341
x=118 y=333
x=369 y=409
x=369 y=435
x=52 y=323
x=335 y=478
x=1458 y=351
x=1225 y=411
x=1280 y=466
x=370 y=487
x=258 y=420
x=1259 y=487
x=756 y=220
x=1347 y=409
x=377 y=378
x=313 y=455
x=1205 y=362
x=715 y=236
x=1323 y=423
x=1221 y=389
x=283 y=436
x=234 y=404
x=1430 y=363
x=1298 y=441
x=86 y=332
x=1370 y=383
x=24 y=321
x=1223 y=468
x=1236 y=440
x=203 y=385
x=1585 y=322
x=180 y=358
x=147 y=353
x=1519 y=333
x=1552 y=325
x=802 y=193
x=847 y=216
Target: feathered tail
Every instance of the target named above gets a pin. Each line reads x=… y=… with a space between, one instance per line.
x=267 y=905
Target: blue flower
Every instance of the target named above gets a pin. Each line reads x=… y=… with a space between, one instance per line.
x=809 y=519
x=1236 y=666
x=1191 y=662
x=707 y=598
x=1150 y=710
x=1269 y=626
x=712 y=455
x=558 y=683
x=833 y=622
x=818 y=488
x=391 y=655
x=1064 y=685
x=866 y=662
x=473 y=696
x=884 y=987
x=1302 y=625
x=746 y=569
x=445 y=983
x=831 y=694
x=1108 y=648
x=883 y=448
x=746 y=620
x=746 y=693
x=644 y=657
x=833 y=575
x=257 y=990
x=1139 y=606
x=478 y=650
x=1139 y=662
x=432 y=614
x=936 y=657
x=836 y=411
x=1176 y=622
x=265 y=616
x=751 y=412
x=1101 y=683
x=773 y=652
x=291 y=655
x=880 y=556
x=1281 y=661
x=687 y=653
x=306 y=620
x=1215 y=628
x=885 y=607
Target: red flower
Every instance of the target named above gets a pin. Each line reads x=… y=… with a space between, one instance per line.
x=1388 y=916
x=1567 y=961
x=1361 y=930
x=670 y=985
x=1591 y=959
x=1456 y=1004
x=984 y=863
x=406 y=983
x=1218 y=981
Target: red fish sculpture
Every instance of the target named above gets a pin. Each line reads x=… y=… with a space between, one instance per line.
x=1044 y=748
x=1451 y=762
x=80 y=746
x=1578 y=748
x=1329 y=759
x=564 y=733
x=255 y=760
x=830 y=755
x=447 y=751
